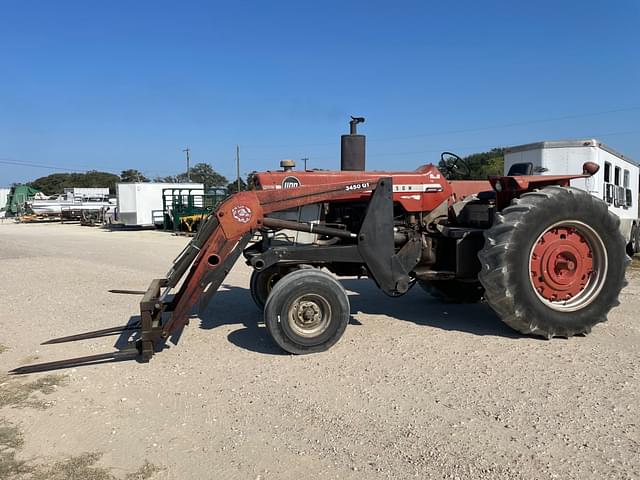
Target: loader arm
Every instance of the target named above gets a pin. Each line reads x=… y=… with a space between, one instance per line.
x=202 y=266
x=225 y=235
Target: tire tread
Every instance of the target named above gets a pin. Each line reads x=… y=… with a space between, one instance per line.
x=494 y=274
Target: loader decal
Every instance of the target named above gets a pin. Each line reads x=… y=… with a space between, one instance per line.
x=241 y=213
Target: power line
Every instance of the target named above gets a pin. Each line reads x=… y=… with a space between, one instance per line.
x=467 y=130
x=616 y=133
x=10 y=161
x=7 y=161
x=479 y=147
x=512 y=124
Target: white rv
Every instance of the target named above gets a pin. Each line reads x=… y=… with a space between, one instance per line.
x=616 y=182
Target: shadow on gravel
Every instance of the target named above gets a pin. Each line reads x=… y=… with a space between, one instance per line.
x=233 y=306
x=419 y=307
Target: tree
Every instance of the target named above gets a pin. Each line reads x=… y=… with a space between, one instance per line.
x=478 y=166
x=168 y=179
x=251 y=185
x=57 y=182
x=204 y=173
x=232 y=187
x=200 y=173
x=132 y=175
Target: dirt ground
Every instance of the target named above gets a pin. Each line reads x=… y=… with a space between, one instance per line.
x=416 y=388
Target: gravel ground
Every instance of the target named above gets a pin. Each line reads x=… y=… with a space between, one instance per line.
x=415 y=389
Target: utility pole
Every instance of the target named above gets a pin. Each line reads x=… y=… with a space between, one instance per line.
x=186 y=150
x=238 y=166
x=305 y=160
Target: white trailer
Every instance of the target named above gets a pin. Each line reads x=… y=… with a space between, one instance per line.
x=616 y=182
x=140 y=204
x=4 y=194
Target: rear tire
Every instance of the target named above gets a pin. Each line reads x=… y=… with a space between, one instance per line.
x=307 y=312
x=554 y=262
x=630 y=249
x=453 y=291
x=263 y=281
x=634 y=241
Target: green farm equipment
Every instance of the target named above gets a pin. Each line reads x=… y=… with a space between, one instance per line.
x=184 y=210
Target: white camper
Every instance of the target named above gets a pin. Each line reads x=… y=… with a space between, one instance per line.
x=616 y=182
x=140 y=204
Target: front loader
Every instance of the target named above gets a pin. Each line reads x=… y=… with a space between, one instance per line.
x=548 y=258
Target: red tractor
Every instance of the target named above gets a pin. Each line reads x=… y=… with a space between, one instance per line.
x=548 y=258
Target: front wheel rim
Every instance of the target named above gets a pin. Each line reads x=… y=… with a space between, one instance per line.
x=568 y=266
x=309 y=315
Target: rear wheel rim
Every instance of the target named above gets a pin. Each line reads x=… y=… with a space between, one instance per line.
x=271 y=279
x=309 y=315
x=568 y=266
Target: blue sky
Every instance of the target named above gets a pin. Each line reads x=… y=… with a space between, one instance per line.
x=115 y=85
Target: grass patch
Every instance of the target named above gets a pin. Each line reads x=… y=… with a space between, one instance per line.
x=10 y=436
x=14 y=393
x=80 y=467
x=83 y=467
x=146 y=471
x=10 y=442
x=3 y=348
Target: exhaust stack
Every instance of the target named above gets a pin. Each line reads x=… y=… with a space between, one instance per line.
x=352 y=148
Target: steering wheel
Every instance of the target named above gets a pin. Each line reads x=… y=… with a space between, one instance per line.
x=451 y=164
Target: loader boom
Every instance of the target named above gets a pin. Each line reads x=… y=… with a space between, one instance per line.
x=228 y=230
x=202 y=266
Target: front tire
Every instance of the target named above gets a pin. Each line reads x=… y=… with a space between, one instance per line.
x=554 y=262
x=307 y=312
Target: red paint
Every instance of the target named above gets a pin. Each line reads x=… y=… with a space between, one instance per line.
x=512 y=187
x=561 y=264
x=464 y=188
x=420 y=191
